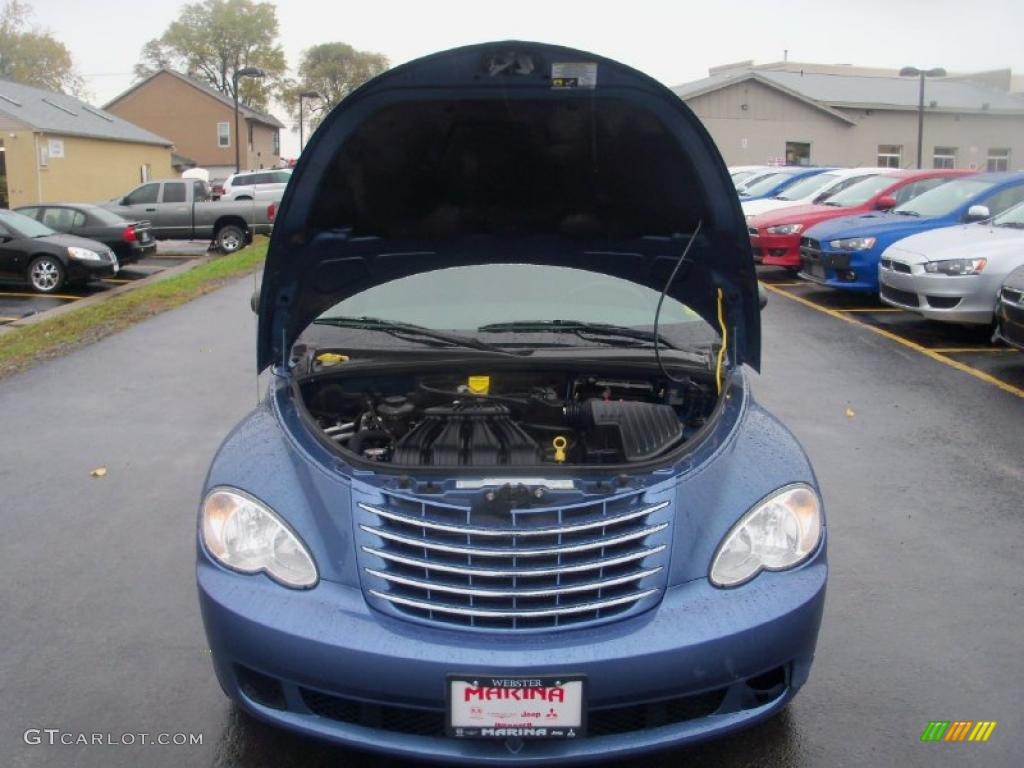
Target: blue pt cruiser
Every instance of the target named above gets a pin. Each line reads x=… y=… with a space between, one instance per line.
x=508 y=499
x=844 y=253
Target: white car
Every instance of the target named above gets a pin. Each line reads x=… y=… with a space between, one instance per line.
x=256 y=185
x=954 y=274
x=813 y=189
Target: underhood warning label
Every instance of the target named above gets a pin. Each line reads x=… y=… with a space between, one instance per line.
x=577 y=74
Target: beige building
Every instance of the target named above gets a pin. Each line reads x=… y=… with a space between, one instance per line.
x=55 y=148
x=200 y=122
x=814 y=114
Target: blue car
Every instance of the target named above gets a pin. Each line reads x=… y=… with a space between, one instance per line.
x=509 y=499
x=844 y=253
x=775 y=182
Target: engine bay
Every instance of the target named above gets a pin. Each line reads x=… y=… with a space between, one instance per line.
x=507 y=418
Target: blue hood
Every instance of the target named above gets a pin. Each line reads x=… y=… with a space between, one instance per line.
x=891 y=225
x=509 y=152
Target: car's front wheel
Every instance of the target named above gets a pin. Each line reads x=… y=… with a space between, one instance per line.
x=230 y=238
x=46 y=274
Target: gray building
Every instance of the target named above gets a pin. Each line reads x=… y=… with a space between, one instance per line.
x=813 y=114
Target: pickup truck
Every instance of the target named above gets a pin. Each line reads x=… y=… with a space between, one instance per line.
x=181 y=209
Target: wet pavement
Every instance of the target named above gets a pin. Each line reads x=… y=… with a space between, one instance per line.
x=919 y=462
x=19 y=301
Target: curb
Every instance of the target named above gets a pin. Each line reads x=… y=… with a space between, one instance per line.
x=99 y=297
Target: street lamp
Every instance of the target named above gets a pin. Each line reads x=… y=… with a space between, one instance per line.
x=922 y=73
x=240 y=73
x=302 y=96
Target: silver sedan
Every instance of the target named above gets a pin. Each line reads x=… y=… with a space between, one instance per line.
x=954 y=274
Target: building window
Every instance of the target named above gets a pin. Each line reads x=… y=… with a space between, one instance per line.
x=223 y=134
x=798 y=153
x=998 y=160
x=277 y=142
x=250 y=135
x=944 y=157
x=890 y=156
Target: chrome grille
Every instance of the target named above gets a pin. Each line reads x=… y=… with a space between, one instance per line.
x=526 y=568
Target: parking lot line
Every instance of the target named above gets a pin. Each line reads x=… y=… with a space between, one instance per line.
x=8 y=319
x=115 y=280
x=42 y=295
x=961 y=350
x=981 y=375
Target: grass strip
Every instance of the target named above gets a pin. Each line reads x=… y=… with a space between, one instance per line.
x=20 y=348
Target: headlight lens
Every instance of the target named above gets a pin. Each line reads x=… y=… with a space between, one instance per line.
x=781 y=531
x=245 y=535
x=83 y=254
x=956 y=266
x=785 y=229
x=852 y=244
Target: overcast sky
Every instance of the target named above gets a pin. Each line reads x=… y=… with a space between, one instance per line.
x=673 y=40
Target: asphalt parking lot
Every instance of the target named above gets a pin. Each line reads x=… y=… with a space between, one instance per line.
x=19 y=301
x=919 y=462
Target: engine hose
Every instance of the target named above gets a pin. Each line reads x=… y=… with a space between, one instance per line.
x=355 y=443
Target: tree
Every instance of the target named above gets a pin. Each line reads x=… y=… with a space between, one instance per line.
x=213 y=39
x=333 y=70
x=33 y=56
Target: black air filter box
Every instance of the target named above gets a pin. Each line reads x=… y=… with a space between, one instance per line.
x=639 y=430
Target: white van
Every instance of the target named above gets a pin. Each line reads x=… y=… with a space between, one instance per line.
x=256 y=185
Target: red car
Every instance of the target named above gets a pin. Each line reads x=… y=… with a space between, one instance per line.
x=775 y=236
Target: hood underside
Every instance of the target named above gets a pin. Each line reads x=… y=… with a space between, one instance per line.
x=509 y=153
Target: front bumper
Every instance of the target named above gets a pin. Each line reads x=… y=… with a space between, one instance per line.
x=718 y=659
x=1010 y=318
x=776 y=250
x=846 y=270
x=953 y=299
x=82 y=271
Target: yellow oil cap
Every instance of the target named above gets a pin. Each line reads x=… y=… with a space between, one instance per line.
x=479 y=385
x=559 y=444
x=331 y=358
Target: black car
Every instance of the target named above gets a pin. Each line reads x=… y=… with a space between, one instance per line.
x=1010 y=311
x=31 y=252
x=130 y=240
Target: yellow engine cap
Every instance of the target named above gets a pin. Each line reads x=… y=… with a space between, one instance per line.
x=479 y=385
x=331 y=358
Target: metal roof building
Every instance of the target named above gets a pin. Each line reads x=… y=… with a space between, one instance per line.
x=838 y=115
x=54 y=147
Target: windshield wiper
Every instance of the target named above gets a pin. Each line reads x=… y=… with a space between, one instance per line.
x=578 y=327
x=1011 y=224
x=410 y=332
x=899 y=212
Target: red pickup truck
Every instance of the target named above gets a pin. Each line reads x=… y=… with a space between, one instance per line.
x=775 y=235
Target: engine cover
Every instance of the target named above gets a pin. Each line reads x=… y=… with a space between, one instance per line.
x=467 y=434
x=635 y=430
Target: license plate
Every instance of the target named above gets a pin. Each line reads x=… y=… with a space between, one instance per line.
x=491 y=707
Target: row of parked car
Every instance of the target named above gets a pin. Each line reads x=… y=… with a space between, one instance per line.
x=946 y=244
x=51 y=245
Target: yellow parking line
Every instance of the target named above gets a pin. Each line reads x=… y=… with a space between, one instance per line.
x=958 y=350
x=115 y=280
x=41 y=295
x=8 y=319
x=906 y=343
x=787 y=285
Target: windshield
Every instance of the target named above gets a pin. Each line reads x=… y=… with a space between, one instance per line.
x=766 y=184
x=23 y=226
x=1011 y=218
x=861 y=192
x=944 y=199
x=807 y=188
x=464 y=299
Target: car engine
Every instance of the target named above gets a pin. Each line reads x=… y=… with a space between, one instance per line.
x=514 y=419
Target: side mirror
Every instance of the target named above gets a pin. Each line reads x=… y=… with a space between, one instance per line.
x=762 y=297
x=254 y=301
x=978 y=213
x=886 y=203
x=123 y=201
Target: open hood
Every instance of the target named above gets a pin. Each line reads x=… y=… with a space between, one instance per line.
x=509 y=152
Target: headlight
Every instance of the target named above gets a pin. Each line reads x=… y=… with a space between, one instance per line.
x=245 y=535
x=781 y=531
x=852 y=244
x=83 y=254
x=956 y=266
x=785 y=229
